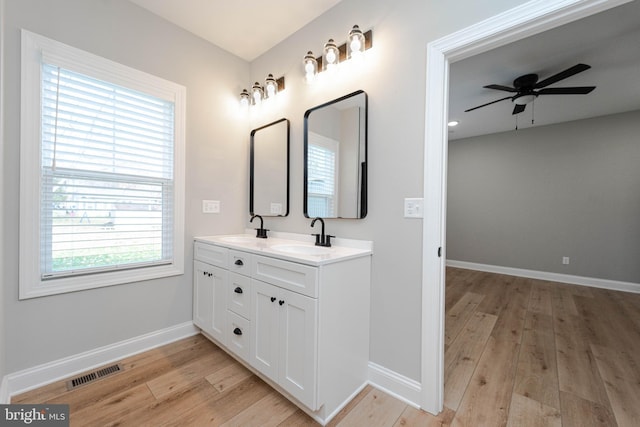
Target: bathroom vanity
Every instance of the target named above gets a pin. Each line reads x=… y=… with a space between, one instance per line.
x=294 y=313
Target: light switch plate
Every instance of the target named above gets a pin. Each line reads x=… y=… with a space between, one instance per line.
x=211 y=206
x=413 y=207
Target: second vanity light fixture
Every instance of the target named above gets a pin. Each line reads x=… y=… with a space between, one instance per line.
x=332 y=54
x=259 y=93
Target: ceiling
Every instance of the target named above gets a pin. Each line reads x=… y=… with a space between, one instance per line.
x=609 y=42
x=246 y=28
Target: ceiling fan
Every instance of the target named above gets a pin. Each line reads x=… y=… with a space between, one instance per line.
x=527 y=88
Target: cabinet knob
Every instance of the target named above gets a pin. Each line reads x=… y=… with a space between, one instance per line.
x=204 y=273
x=273 y=299
x=210 y=274
x=237 y=331
x=281 y=302
x=239 y=262
x=238 y=290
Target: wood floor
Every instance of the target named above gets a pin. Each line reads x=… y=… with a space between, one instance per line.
x=518 y=352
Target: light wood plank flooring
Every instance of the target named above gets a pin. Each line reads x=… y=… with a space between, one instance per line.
x=524 y=352
x=518 y=352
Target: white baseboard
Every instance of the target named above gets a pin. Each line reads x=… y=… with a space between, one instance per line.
x=5 y=396
x=395 y=384
x=553 y=277
x=38 y=376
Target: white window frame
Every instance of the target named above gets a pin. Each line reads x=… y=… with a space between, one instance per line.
x=34 y=47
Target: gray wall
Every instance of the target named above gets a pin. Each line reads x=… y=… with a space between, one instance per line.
x=525 y=199
x=44 y=329
x=48 y=328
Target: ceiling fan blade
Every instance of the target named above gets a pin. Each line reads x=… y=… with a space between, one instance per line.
x=562 y=75
x=488 y=103
x=519 y=108
x=577 y=90
x=500 y=87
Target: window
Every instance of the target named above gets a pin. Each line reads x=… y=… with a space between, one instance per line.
x=322 y=168
x=102 y=172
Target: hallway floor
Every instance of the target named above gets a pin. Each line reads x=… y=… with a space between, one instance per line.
x=524 y=352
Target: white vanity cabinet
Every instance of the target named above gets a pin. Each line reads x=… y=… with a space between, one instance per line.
x=300 y=322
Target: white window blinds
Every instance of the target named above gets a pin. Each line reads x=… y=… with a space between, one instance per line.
x=321 y=170
x=106 y=176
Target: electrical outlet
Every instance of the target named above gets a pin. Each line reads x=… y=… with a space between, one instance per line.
x=276 y=208
x=211 y=206
x=413 y=208
x=565 y=260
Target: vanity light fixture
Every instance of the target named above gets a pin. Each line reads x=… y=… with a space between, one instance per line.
x=257 y=94
x=332 y=54
x=244 y=98
x=272 y=87
x=310 y=67
x=355 y=42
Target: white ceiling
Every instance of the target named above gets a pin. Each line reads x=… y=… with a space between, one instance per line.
x=246 y=28
x=608 y=41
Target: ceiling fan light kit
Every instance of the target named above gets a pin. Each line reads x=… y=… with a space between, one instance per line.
x=527 y=88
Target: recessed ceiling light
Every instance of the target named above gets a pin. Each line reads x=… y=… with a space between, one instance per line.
x=453 y=123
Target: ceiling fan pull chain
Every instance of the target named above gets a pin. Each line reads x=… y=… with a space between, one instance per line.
x=533 y=112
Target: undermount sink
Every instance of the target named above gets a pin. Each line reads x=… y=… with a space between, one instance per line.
x=238 y=239
x=302 y=249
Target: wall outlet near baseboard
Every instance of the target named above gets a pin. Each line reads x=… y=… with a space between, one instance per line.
x=565 y=260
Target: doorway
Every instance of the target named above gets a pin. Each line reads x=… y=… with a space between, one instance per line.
x=515 y=24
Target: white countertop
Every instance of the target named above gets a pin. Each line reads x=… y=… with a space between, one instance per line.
x=292 y=247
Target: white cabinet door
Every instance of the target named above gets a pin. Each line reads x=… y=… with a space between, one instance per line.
x=285 y=339
x=264 y=348
x=202 y=296
x=219 y=278
x=298 y=346
x=210 y=304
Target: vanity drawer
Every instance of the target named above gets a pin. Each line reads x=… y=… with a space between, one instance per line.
x=238 y=335
x=239 y=295
x=240 y=262
x=211 y=254
x=295 y=277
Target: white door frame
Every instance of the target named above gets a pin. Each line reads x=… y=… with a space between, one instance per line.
x=523 y=21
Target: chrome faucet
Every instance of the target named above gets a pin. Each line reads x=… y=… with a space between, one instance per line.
x=321 y=239
x=261 y=233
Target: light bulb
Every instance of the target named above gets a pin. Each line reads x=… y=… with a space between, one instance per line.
x=355 y=45
x=271 y=86
x=309 y=68
x=331 y=55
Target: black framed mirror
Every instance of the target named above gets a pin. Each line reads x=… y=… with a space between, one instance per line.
x=335 y=158
x=269 y=170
